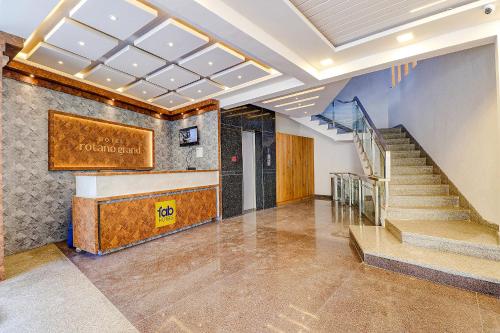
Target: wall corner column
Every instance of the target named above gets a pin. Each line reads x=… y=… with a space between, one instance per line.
x=3 y=62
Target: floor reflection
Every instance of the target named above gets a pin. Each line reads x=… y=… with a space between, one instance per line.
x=288 y=269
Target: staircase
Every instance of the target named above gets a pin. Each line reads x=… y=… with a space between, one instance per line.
x=427 y=234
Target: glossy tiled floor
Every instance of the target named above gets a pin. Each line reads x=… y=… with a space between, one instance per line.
x=289 y=269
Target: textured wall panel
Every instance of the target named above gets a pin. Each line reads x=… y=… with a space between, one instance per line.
x=37 y=203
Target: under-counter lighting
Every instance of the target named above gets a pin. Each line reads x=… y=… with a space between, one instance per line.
x=294 y=95
x=297 y=101
x=326 y=62
x=405 y=37
x=432 y=4
x=301 y=107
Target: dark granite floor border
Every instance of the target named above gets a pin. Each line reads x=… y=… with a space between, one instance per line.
x=429 y=274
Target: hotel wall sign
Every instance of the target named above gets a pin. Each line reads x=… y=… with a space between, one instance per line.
x=82 y=143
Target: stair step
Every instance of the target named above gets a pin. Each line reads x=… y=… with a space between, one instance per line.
x=387 y=136
x=464 y=237
x=423 y=201
x=405 y=147
x=410 y=161
x=438 y=189
x=412 y=170
x=415 y=179
x=405 y=154
x=378 y=247
x=398 y=141
x=427 y=213
x=390 y=130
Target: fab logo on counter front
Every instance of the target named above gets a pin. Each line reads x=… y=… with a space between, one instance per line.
x=165 y=212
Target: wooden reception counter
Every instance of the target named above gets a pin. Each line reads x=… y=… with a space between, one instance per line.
x=113 y=210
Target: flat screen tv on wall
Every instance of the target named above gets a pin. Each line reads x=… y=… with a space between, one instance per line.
x=188 y=136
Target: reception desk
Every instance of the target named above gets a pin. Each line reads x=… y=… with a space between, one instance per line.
x=113 y=210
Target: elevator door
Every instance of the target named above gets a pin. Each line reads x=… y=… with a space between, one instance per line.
x=248 y=154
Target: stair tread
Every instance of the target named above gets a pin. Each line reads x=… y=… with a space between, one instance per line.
x=458 y=231
x=379 y=242
x=442 y=208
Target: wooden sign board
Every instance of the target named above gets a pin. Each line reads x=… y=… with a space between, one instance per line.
x=83 y=143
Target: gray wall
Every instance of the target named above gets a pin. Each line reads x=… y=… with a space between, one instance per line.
x=449 y=104
x=37 y=203
x=373 y=92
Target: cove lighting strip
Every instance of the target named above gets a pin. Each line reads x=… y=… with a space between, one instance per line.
x=427 y=6
x=300 y=107
x=297 y=101
x=293 y=95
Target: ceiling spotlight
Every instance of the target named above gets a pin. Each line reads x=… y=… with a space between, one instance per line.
x=113 y=18
x=144 y=92
x=32 y=76
x=172 y=80
x=108 y=79
x=405 y=37
x=135 y=64
x=171 y=102
x=300 y=107
x=239 y=77
x=299 y=104
x=81 y=43
x=199 y=91
x=113 y=99
x=326 y=62
x=210 y=63
x=170 y=44
x=60 y=62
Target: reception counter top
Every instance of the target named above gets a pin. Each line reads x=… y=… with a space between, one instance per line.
x=114 y=210
x=109 y=184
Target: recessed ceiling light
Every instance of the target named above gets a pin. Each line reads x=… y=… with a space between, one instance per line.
x=108 y=79
x=31 y=75
x=113 y=18
x=210 y=63
x=113 y=99
x=427 y=6
x=170 y=44
x=300 y=107
x=171 y=102
x=144 y=92
x=293 y=95
x=172 y=79
x=82 y=43
x=239 y=77
x=199 y=91
x=326 y=62
x=297 y=100
x=405 y=37
x=60 y=62
x=300 y=104
x=305 y=112
x=135 y=64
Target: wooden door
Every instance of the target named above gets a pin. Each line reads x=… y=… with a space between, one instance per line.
x=294 y=167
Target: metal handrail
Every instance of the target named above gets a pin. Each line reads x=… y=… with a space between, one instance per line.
x=379 y=140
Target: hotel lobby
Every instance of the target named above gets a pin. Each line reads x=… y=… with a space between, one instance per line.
x=249 y=166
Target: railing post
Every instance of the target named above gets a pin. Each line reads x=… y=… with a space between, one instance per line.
x=376 y=204
x=360 y=199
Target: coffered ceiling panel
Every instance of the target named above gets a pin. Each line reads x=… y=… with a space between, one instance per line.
x=345 y=21
x=173 y=77
x=171 y=40
x=212 y=59
x=109 y=77
x=171 y=100
x=200 y=89
x=134 y=61
x=118 y=18
x=240 y=74
x=80 y=39
x=144 y=90
x=53 y=57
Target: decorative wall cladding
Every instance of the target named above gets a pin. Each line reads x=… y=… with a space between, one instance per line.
x=37 y=202
x=233 y=122
x=208 y=131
